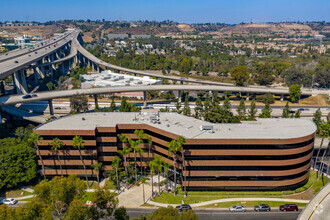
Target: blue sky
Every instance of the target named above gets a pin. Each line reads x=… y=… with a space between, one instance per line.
x=186 y=11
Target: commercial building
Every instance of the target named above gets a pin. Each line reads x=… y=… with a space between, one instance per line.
x=267 y=154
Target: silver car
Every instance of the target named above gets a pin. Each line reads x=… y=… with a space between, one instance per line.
x=237 y=208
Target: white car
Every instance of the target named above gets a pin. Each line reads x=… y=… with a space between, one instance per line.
x=237 y=208
x=9 y=201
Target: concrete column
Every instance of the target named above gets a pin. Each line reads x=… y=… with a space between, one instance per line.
x=93 y=66
x=282 y=97
x=14 y=84
x=98 y=68
x=145 y=98
x=20 y=82
x=74 y=64
x=63 y=68
x=40 y=70
x=96 y=101
x=58 y=54
x=181 y=82
x=247 y=97
x=51 y=70
x=50 y=105
x=36 y=75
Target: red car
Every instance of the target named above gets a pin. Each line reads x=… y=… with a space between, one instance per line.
x=289 y=207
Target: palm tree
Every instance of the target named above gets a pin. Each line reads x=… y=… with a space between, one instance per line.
x=156 y=165
x=97 y=167
x=78 y=142
x=124 y=152
x=140 y=134
x=143 y=181
x=141 y=153
x=166 y=167
x=35 y=138
x=174 y=147
x=115 y=165
x=181 y=140
x=149 y=145
x=56 y=145
x=136 y=148
x=152 y=170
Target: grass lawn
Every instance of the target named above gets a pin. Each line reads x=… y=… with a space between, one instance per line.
x=202 y=196
x=249 y=204
x=14 y=193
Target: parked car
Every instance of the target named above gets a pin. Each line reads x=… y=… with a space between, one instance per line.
x=34 y=95
x=237 y=208
x=28 y=96
x=9 y=201
x=262 y=208
x=183 y=207
x=16 y=61
x=289 y=207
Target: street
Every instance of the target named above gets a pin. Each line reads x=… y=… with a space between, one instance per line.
x=212 y=214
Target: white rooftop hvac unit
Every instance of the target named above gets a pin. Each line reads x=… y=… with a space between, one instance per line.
x=206 y=128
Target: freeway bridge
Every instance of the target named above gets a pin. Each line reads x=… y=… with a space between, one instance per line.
x=64 y=52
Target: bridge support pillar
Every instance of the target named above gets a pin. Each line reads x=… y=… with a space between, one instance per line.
x=247 y=96
x=20 y=82
x=50 y=106
x=98 y=68
x=282 y=97
x=181 y=82
x=96 y=101
x=144 y=98
x=58 y=55
x=40 y=70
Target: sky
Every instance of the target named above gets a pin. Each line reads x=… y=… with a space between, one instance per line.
x=183 y=11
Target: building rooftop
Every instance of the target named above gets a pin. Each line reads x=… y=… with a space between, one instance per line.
x=188 y=127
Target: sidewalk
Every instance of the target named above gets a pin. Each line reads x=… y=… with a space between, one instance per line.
x=232 y=200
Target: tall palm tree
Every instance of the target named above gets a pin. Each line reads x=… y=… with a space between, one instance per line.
x=115 y=165
x=141 y=153
x=35 y=138
x=136 y=148
x=181 y=141
x=140 y=134
x=166 y=167
x=174 y=147
x=149 y=145
x=78 y=142
x=152 y=166
x=97 y=167
x=56 y=145
x=143 y=181
x=124 y=152
x=156 y=165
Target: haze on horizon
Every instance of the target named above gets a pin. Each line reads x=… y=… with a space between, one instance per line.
x=183 y=11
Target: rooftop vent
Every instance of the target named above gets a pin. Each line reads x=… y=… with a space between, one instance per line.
x=206 y=128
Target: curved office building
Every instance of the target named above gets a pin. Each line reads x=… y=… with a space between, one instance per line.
x=267 y=154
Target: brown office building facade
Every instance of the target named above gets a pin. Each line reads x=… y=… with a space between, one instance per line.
x=213 y=161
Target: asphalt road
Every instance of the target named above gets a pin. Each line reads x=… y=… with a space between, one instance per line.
x=210 y=214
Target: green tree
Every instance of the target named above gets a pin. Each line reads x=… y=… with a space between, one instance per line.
x=79 y=103
x=198 y=109
x=156 y=166
x=317 y=118
x=17 y=162
x=178 y=106
x=124 y=152
x=241 y=109
x=78 y=142
x=35 y=139
x=136 y=148
x=215 y=99
x=294 y=93
x=286 y=111
x=57 y=144
x=140 y=134
x=297 y=114
x=226 y=104
x=240 y=74
x=266 y=112
x=166 y=168
x=172 y=213
x=252 y=110
x=97 y=167
x=115 y=163
x=112 y=105
x=264 y=74
x=186 y=108
x=207 y=107
x=143 y=181
x=59 y=193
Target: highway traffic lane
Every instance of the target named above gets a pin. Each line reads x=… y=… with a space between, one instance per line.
x=210 y=214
